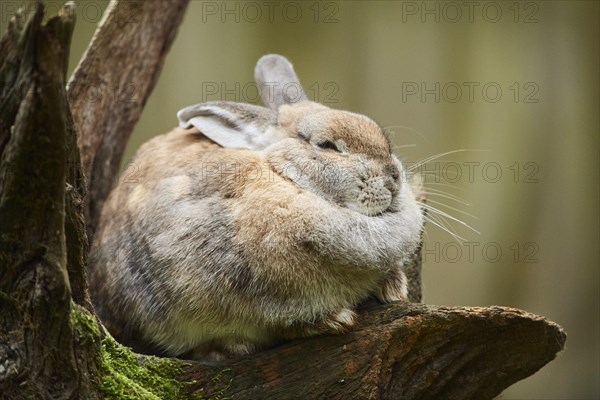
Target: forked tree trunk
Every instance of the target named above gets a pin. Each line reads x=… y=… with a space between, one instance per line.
x=42 y=242
x=52 y=346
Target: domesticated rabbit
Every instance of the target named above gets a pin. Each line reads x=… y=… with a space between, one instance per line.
x=248 y=225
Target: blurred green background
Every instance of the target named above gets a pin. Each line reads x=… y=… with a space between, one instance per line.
x=515 y=83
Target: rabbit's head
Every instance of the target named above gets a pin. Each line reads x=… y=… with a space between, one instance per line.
x=341 y=156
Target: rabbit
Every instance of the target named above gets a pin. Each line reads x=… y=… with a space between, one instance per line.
x=248 y=225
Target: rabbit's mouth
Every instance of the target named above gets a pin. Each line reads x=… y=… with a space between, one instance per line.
x=375 y=196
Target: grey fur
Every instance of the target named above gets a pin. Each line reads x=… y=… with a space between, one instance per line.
x=277 y=81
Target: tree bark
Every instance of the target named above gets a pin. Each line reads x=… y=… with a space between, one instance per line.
x=50 y=344
x=398 y=351
x=41 y=355
x=112 y=83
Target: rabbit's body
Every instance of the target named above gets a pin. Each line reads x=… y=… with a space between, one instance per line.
x=210 y=248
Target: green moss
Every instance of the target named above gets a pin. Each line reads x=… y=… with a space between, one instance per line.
x=125 y=375
x=84 y=325
x=219 y=393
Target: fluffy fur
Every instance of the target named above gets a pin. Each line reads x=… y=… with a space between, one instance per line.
x=269 y=224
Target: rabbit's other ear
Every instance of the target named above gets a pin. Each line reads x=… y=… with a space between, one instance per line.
x=233 y=125
x=277 y=81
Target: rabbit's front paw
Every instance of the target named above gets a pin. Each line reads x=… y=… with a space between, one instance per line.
x=338 y=322
x=394 y=287
x=335 y=323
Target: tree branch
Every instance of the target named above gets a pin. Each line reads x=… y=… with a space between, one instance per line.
x=398 y=351
x=111 y=84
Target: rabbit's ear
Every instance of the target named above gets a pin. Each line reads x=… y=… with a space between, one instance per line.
x=233 y=125
x=277 y=81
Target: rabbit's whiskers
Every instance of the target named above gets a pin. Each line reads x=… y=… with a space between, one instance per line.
x=438 y=156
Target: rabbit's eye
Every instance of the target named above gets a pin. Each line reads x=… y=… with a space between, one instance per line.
x=328 y=145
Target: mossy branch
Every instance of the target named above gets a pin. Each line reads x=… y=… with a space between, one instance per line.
x=398 y=351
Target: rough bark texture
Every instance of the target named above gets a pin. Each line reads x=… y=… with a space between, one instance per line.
x=412 y=269
x=49 y=344
x=398 y=351
x=111 y=84
x=41 y=354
